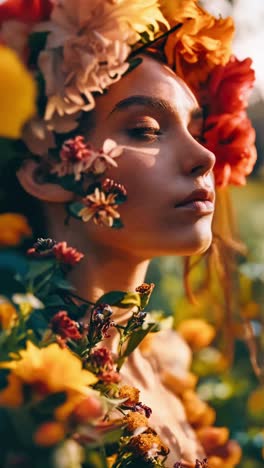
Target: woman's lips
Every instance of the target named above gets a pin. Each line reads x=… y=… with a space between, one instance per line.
x=199 y=201
x=197 y=206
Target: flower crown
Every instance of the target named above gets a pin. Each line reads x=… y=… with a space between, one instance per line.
x=76 y=49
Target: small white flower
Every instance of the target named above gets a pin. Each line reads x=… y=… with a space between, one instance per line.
x=68 y=455
x=28 y=298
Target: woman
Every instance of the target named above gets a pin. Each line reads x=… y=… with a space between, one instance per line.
x=155 y=119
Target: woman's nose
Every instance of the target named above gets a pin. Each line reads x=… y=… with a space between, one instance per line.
x=197 y=160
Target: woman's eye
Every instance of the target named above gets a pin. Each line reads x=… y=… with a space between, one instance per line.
x=144 y=133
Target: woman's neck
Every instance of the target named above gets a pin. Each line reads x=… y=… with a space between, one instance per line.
x=103 y=270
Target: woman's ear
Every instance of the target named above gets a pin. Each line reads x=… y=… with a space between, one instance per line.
x=28 y=178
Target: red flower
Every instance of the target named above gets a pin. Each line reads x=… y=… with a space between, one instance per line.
x=229 y=86
x=29 y=11
x=66 y=255
x=64 y=326
x=231 y=138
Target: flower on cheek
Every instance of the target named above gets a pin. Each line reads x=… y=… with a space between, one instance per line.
x=232 y=139
x=228 y=86
x=199 y=44
x=79 y=158
x=100 y=207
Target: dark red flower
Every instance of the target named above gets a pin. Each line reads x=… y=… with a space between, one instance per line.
x=102 y=364
x=231 y=138
x=229 y=86
x=62 y=325
x=66 y=255
x=29 y=11
x=142 y=409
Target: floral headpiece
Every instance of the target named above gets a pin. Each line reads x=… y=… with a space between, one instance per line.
x=76 y=49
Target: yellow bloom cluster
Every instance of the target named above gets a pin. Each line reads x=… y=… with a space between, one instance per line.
x=17 y=94
x=13 y=228
x=8 y=315
x=45 y=371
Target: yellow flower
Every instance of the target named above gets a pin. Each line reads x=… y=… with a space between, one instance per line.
x=47 y=370
x=8 y=315
x=196 y=332
x=13 y=227
x=201 y=43
x=17 y=94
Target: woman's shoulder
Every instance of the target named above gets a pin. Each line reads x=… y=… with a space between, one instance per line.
x=171 y=356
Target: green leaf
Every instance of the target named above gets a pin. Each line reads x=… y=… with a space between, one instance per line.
x=62 y=283
x=23 y=425
x=7 y=151
x=133 y=63
x=54 y=300
x=113 y=436
x=137 y=337
x=47 y=406
x=36 y=42
x=120 y=299
x=67 y=182
x=38 y=268
x=117 y=224
x=130 y=299
x=96 y=458
x=74 y=208
x=4 y=378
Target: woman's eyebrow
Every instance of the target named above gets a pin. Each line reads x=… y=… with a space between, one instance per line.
x=146 y=101
x=158 y=104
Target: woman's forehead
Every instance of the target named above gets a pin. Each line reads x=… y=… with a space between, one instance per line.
x=154 y=80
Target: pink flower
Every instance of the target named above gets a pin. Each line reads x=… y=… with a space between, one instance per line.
x=66 y=255
x=78 y=158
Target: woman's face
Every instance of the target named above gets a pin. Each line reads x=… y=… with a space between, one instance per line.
x=155 y=116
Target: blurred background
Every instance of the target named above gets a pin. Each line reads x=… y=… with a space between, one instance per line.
x=230 y=386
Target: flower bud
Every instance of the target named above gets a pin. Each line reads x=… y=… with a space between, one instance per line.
x=49 y=433
x=88 y=409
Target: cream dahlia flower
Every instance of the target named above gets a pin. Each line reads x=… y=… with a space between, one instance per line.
x=87 y=48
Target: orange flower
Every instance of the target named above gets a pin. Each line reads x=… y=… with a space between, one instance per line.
x=231 y=138
x=13 y=228
x=49 y=433
x=8 y=315
x=196 y=332
x=25 y=10
x=229 y=86
x=201 y=43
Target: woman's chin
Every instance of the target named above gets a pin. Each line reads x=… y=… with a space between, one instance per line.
x=194 y=241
